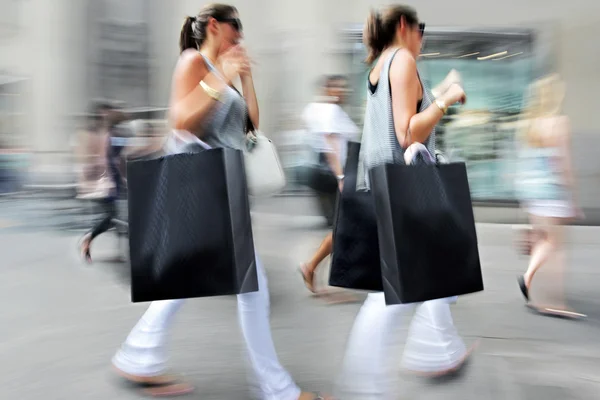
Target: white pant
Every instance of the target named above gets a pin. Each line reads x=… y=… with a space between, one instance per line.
x=144 y=352
x=433 y=344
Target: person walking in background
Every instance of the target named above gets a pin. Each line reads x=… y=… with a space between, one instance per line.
x=546 y=184
x=400 y=111
x=110 y=185
x=330 y=129
x=204 y=105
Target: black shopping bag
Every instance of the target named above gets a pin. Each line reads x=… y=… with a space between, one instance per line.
x=427 y=237
x=355 y=262
x=190 y=228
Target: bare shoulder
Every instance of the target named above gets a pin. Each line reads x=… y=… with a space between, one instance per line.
x=191 y=61
x=403 y=64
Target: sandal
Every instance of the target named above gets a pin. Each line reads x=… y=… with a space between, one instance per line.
x=523 y=287
x=156 y=386
x=309 y=278
x=450 y=371
x=84 y=248
x=315 y=396
x=556 y=313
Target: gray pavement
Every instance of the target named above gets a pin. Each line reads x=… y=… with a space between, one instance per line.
x=62 y=321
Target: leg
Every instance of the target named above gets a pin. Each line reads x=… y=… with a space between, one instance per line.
x=106 y=222
x=308 y=269
x=273 y=381
x=144 y=352
x=542 y=249
x=433 y=344
x=368 y=357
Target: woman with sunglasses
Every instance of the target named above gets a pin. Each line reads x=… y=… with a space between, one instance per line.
x=204 y=105
x=399 y=112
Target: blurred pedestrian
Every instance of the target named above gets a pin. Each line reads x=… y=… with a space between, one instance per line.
x=204 y=105
x=109 y=186
x=400 y=111
x=330 y=129
x=546 y=185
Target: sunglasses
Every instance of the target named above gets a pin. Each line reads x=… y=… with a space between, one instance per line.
x=235 y=23
x=422 y=28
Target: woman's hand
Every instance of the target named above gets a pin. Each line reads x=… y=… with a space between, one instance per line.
x=234 y=63
x=454 y=94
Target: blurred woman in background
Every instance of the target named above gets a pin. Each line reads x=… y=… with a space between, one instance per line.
x=109 y=186
x=546 y=184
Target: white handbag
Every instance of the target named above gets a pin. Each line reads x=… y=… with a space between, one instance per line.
x=264 y=173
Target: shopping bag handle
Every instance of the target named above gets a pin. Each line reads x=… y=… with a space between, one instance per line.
x=416 y=149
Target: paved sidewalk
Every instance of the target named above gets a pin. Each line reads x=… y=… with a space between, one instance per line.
x=62 y=321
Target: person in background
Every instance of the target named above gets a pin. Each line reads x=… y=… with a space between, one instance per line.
x=110 y=185
x=330 y=129
x=547 y=185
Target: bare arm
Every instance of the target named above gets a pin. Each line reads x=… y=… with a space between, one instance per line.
x=564 y=131
x=410 y=126
x=250 y=97
x=332 y=157
x=190 y=104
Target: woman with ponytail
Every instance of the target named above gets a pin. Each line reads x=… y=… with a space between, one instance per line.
x=400 y=111
x=204 y=105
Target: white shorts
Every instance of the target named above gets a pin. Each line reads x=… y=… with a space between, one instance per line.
x=551 y=208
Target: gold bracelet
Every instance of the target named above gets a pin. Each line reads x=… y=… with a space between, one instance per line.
x=441 y=105
x=214 y=94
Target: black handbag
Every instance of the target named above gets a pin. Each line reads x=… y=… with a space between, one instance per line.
x=427 y=237
x=318 y=175
x=190 y=227
x=355 y=262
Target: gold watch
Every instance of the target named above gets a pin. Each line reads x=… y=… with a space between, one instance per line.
x=441 y=105
x=215 y=94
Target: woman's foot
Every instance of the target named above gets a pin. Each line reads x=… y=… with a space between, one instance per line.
x=556 y=312
x=314 y=396
x=84 y=248
x=523 y=286
x=309 y=277
x=157 y=386
x=450 y=371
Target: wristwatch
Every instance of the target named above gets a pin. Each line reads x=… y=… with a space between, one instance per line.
x=441 y=105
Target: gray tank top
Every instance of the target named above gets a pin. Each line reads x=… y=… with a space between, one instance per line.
x=379 y=144
x=225 y=127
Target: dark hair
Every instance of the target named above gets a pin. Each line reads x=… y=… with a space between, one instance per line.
x=380 y=28
x=330 y=79
x=193 y=32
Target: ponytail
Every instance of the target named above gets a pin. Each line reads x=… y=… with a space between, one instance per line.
x=187 y=39
x=380 y=29
x=373 y=36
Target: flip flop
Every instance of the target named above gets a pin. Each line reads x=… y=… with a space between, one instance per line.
x=161 y=389
x=523 y=287
x=310 y=284
x=450 y=372
x=85 y=254
x=556 y=313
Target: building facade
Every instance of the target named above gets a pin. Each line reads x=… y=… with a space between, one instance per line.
x=65 y=52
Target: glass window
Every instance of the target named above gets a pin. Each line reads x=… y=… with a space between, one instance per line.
x=496 y=68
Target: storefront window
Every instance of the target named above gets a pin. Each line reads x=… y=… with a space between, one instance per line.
x=496 y=68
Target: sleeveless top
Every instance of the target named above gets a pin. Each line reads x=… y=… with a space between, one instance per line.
x=379 y=144
x=538 y=177
x=225 y=125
